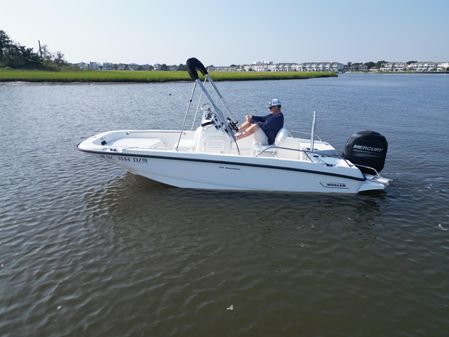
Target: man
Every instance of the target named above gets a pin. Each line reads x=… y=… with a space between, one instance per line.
x=264 y=128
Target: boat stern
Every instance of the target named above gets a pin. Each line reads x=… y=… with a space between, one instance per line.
x=373 y=183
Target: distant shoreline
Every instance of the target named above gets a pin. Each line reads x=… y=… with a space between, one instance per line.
x=89 y=76
x=397 y=72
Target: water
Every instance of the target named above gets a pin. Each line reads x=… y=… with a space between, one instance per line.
x=90 y=250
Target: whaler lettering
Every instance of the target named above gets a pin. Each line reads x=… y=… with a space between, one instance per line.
x=334 y=185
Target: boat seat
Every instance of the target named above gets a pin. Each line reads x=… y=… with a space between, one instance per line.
x=281 y=136
x=187 y=144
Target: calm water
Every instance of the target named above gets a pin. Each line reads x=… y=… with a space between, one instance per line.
x=90 y=250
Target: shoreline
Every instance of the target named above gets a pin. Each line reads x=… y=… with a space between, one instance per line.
x=397 y=72
x=118 y=76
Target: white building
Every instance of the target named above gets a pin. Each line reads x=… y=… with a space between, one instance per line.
x=224 y=68
x=285 y=67
x=146 y=67
x=321 y=66
x=261 y=65
x=133 y=66
x=443 y=66
x=394 y=66
x=94 y=65
x=423 y=67
x=82 y=65
x=122 y=66
x=108 y=66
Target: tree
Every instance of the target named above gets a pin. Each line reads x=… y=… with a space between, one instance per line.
x=379 y=64
x=5 y=43
x=58 y=58
x=410 y=62
x=46 y=55
x=16 y=56
x=370 y=64
x=164 y=67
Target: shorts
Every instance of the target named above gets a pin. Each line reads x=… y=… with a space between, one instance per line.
x=260 y=137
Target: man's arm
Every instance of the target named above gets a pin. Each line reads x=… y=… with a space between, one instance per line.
x=256 y=119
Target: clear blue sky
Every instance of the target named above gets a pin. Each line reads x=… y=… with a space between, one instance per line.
x=226 y=32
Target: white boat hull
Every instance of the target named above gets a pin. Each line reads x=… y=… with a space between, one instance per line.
x=234 y=177
x=217 y=171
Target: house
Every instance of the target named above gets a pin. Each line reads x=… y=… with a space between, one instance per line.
x=247 y=67
x=81 y=65
x=94 y=65
x=321 y=66
x=261 y=65
x=394 y=66
x=426 y=66
x=286 y=67
x=133 y=66
x=108 y=66
x=224 y=68
x=443 y=66
x=146 y=67
x=122 y=66
x=358 y=67
x=339 y=67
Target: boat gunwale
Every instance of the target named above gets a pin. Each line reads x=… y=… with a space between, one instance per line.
x=214 y=161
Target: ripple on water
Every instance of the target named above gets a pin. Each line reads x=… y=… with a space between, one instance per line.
x=88 y=250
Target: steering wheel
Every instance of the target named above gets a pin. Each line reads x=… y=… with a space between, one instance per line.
x=233 y=124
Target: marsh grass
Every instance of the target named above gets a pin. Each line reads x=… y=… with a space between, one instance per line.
x=7 y=75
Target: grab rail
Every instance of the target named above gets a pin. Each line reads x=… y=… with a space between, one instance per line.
x=369 y=168
x=304 y=133
x=285 y=148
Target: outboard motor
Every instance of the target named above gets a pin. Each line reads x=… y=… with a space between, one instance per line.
x=367 y=148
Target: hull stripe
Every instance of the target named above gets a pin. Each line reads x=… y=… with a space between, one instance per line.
x=226 y=163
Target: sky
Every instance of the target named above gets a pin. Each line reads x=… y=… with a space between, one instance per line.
x=232 y=32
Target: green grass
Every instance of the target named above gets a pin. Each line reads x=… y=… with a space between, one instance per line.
x=145 y=76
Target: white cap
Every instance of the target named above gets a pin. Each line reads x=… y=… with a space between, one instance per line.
x=274 y=102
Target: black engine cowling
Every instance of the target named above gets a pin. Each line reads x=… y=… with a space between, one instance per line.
x=367 y=148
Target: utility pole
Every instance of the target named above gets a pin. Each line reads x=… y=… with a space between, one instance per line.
x=40 y=48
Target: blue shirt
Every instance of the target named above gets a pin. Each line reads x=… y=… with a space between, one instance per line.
x=270 y=124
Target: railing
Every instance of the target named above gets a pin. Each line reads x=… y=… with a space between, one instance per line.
x=306 y=152
x=318 y=156
x=293 y=133
x=359 y=165
x=369 y=168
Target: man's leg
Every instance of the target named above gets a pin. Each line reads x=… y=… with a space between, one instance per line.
x=248 y=131
x=244 y=126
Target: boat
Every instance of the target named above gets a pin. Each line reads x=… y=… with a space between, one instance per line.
x=209 y=156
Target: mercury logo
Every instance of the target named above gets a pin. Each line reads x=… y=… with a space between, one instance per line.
x=367 y=148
